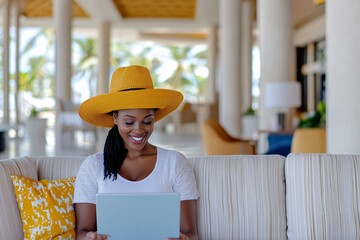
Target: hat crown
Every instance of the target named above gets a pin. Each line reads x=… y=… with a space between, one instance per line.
x=133 y=77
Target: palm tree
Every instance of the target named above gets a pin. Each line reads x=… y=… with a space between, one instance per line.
x=39 y=74
x=34 y=79
x=121 y=53
x=86 y=65
x=185 y=77
x=129 y=53
x=140 y=53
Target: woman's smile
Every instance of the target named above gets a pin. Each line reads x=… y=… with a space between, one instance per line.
x=137 y=140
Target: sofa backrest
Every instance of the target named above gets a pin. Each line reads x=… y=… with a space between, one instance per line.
x=241 y=197
x=323 y=196
x=35 y=168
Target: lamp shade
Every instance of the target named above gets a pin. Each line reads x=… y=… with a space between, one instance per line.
x=282 y=95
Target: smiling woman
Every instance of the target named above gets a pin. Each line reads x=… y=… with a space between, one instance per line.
x=129 y=163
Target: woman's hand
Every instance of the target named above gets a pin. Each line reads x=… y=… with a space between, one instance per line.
x=182 y=237
x=95 y=236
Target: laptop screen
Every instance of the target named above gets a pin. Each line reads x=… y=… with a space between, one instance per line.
x=138 y=215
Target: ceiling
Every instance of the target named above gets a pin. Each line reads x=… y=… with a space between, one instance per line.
x=43 y=9
x=181 y=9
x=178 y=17
x=176 y=9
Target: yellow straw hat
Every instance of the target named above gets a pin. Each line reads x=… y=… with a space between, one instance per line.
x=131 y=88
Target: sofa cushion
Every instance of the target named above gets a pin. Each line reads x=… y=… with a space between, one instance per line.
x=46 y=207
x=241 y=197
x=322 y=196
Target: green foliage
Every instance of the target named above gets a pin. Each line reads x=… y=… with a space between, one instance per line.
x=34 y=113
x=186 y=71
x=317 y=119
x=85 y=66
x=185 y=78
x=38 y=76
x=186 y=61
x=249 y=112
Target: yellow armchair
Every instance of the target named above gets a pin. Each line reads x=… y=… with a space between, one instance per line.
x=216 y=141
x=309 y=140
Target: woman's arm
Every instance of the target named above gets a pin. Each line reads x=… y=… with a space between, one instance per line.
x=188 y=221
x=86 y=221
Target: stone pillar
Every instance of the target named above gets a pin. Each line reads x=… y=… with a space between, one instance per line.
x=276 y=51
x=17 y=65
x=311 y=79
x=6 y=59
x=62 y=10
x=212 y=52
x=230 y=73
x=103 y=57
x=343 y=76
x=246 y=53
x=103 y=75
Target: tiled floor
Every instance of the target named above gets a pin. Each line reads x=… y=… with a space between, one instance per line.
x=188 y=142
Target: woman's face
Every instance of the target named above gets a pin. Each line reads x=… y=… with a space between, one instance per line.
x=135 y=126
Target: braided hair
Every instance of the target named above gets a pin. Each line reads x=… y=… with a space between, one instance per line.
x=114 y=153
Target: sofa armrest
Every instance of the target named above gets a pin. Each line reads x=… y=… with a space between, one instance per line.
x=10 y=221
x=36 y=168
x=322 y=196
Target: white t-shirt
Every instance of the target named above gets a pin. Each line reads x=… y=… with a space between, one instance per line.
x=172 y=173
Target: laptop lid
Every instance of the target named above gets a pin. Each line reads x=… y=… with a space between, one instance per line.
x=138 y=215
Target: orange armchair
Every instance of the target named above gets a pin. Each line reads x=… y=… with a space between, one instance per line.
x=216 y=141
x=309 y=140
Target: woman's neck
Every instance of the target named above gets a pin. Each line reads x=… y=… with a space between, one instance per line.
x=148 y=149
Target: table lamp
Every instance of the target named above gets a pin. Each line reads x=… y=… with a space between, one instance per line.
x=282 y=96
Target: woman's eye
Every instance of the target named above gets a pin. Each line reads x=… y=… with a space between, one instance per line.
x=148 y=122
x=129 y=123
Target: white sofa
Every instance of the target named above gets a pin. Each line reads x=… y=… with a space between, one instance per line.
x=303 y=196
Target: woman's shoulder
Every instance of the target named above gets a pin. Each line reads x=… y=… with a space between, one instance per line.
x=99 y=156
x=94 y=159
x=172 y=157
x=169 y=153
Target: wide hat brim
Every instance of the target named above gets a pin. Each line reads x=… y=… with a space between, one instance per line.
x=96 y=110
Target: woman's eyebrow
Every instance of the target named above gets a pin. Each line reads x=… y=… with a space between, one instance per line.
x=130 y=116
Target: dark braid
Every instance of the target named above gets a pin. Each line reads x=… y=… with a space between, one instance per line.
x=114 y=153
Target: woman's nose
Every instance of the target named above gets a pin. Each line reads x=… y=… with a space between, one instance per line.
x=139 y=127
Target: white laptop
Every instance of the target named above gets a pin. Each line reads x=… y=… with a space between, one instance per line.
x=138 y=215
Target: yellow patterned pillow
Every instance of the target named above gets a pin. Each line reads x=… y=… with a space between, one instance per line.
x=46 y=207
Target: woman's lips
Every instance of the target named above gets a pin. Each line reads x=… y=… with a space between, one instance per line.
x=137 y=140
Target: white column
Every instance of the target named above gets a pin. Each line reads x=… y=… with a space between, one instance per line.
x=230 y=80
x=103 y=51
x=103 y=57
x=246 y=53
x=63 y=17
x=212 y=51
x=311 y=79
x=6 y=60
x=343 y=76
x=62 y=10
x=276 y=50
x=17 y=64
